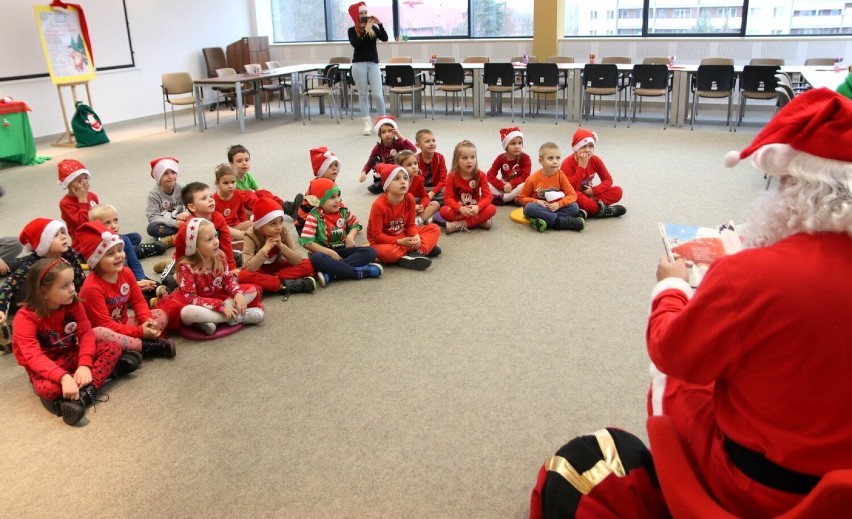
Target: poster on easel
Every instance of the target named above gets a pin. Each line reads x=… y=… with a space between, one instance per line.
x=65 y=42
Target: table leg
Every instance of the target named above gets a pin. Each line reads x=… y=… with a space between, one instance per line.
x=199 y=108
x=296 y=95
x=478 y=94
x=238 y=89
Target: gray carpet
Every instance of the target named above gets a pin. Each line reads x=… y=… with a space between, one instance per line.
x=420 y=394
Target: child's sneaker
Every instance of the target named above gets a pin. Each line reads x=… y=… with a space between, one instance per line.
x=435 y=252
x=206 y=328
x=610 y=211
x=459 y=225
x=370 y=270
x=300 y=286
x=253 y=316
x=323 y=279
x=538 y=224
x=418 y=222
x=415 y=261
x=375 y=188
x=582 y=214
x=487 y=224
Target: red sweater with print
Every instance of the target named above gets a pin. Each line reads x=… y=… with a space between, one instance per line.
x=38 y=342
x=234 y=209
x=76 y=213
x=390 y=222
x=515 y=172
x=582 y=178
x=470 y=191
x=434 y=173
x=387 y=154
x=107 y=303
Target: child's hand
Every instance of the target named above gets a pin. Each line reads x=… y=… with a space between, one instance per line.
x=418 y=208
x=4 y=267
x=146 y=284
x=2 y=318
x=473 y=210
x=82 y=377
x=507 y=187
x=349 y=241
x=588 y=191
x=363 y=176
x=240 y=303
x=150 y=330
x=583 y=158
x=334 y=255
x=230 y=313
x=70 y=391
x=553 y=206
x=182 y=217
x=415 y=241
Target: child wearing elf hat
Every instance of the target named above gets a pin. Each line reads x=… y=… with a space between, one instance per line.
x=111 y=290
x=753 y=365
x=42 y=238
x=164 y=209
x=392 y=231
x=582 y=166
x=329 y=236
x=390 y=142
x=511 y=168
x=74 y=206
x=324 y=164
x=271 y=259
x=207 y=292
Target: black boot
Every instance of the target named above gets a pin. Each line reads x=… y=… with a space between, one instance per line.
x=610 y=211
x=146 y=250
x=127 y=363
x=299 y=286
x=71 y=411
x=569 y=223
x=158 y=348
x=89 y=395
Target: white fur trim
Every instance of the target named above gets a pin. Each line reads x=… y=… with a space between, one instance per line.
x=658 y=389
x=671 y=284
x=396 y=171
x=47 y=235
x=268 y=217
x=732 y=158
x=330 y=158
x=108 y=240
x=509 y=136
x=582 y=142
x=383 y=121
x=70 y=178
x=192 y=236
x=161 y=167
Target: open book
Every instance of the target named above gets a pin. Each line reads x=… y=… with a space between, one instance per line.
x=699 y=245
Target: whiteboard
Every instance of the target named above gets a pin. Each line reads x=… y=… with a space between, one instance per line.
x=22 y=56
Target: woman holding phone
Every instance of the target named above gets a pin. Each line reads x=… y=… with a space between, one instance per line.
x=365 y=60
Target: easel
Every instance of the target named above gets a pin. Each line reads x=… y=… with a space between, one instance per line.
x=67 y=139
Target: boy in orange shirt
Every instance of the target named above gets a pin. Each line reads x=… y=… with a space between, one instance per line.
x=547 y=196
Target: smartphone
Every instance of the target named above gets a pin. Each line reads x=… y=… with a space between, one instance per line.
x=364 y=19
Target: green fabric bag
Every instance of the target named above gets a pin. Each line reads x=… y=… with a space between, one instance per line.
x=87 y=127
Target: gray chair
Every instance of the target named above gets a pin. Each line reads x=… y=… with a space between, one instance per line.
x=648 y=80
x=757 y=82
x=601 y=79
x=282 y=87
x=717 y=61
x=819 y=62
x=449 y=78
x=778 y=62
x=402 y=80
x=176 y=86
x=542 y=79
x=322 y=86
x=713 y=82
x=655 y=60
x=499 y=79
x=214 y=58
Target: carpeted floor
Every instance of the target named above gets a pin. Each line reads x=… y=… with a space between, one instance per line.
x=420 y=394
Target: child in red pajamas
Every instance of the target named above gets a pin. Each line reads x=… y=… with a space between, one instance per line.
x=467 y=199
x=510 y=169
x=391 y=142
x=230 y=202
x=581 y=167
x=425 y=207
x=391 y=230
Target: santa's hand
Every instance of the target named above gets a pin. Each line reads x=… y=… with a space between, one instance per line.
x=667 y=269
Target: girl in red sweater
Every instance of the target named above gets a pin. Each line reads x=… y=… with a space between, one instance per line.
x=230 y=202
x=467 y=198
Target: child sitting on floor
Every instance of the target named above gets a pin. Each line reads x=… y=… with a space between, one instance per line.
x=324 y=164
x=240 y=160
x=467 y=199
x=432 y=166
x=547 y=196
x=391 y=229
x=271 y=259
x=510 y=169
x=425 y=207
x=390 y=143
x=74 y=206
x=595 y=200
x=165 y=211
x=329 y=236
x=229 y=202
x=110 y=290
x=207 y=292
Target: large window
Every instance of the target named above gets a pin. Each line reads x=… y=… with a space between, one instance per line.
x=433 y=18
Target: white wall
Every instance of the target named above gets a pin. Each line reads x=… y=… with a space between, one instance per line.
x=167 y=37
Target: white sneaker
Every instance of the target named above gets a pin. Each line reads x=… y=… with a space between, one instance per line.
x=206 y=328
x=418 y=221
x=253 y=316
x=368 y=126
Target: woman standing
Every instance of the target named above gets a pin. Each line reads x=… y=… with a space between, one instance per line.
x=365 y=60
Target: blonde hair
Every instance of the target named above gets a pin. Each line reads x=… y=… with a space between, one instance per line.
x=403 y=155
x=41 y=277
x=456 y=153
x=199 y=263
x=101 y=210
x=547 y=146
x=422 y=133
x=223 y=170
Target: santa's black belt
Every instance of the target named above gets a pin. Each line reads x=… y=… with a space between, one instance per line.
x=756 y=466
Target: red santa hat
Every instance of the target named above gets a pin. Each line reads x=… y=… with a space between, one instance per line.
x=353 y=12
x=383 y=120
x=321 y=159
x=94 y=240
x=39 y=233
x=186 y=238
x=388 y=172
x=507 y=134
x=265 y=210
x=583 y=137
x=160 y=165
x=815 y=123
x=70 y=169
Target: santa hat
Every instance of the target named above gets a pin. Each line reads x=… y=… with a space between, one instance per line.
x=815 y=123
x=186 y=238
x=69 y=169
x=264 y=211
x=320 y=190
x=383 y=120
x=321 y=159
x=353 y=13
x=39 y=233
x=93 y=240
x=507 y=134
x=583 y=137
x=160 y=165
x=388 y=172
